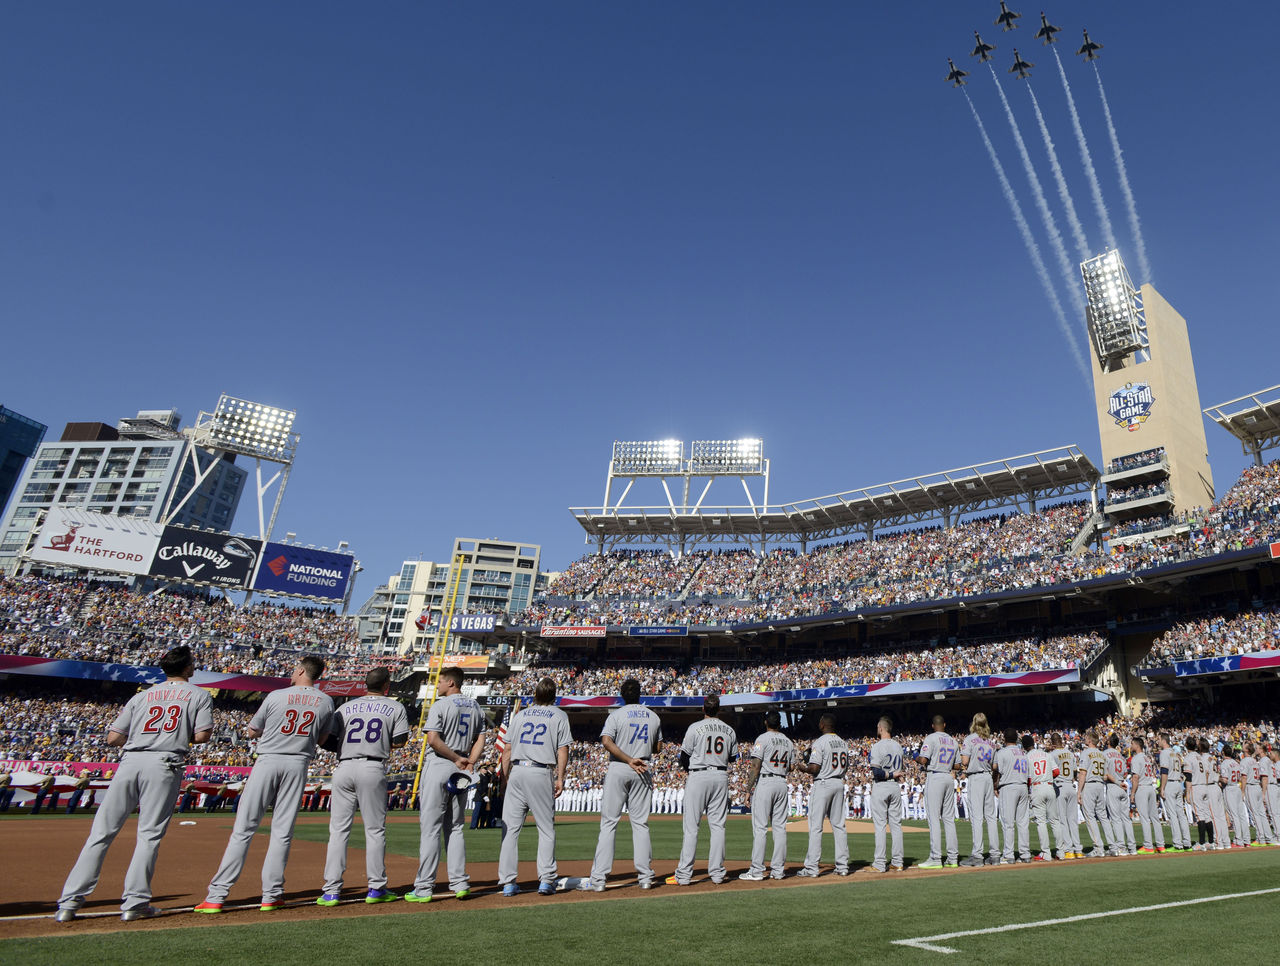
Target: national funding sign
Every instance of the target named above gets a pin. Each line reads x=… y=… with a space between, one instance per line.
x=95 y=541
x=201 y=557
x=303 y=572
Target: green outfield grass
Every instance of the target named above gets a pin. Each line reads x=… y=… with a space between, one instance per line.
x=834 y=920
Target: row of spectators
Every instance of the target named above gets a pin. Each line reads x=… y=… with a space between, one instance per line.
x=1139 y=491
x=864 y=667
x=1218 y=635
x=976 y=557
x=1134 y=460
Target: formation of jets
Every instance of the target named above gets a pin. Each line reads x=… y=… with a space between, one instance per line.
x=956 y=76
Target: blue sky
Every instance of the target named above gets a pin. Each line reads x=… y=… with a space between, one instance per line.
x=473 y=244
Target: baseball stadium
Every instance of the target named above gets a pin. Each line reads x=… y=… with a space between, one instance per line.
x=1019 y=710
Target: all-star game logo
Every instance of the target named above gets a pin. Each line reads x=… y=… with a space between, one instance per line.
x=1131 y=406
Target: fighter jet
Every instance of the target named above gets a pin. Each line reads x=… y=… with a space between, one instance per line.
x=982 y=51
x=1090 y=49
x=1007 y=17
x=1047 y=30
x=957 y=75
x=1020 y=66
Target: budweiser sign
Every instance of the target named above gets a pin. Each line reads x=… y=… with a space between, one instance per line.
x=573 y=630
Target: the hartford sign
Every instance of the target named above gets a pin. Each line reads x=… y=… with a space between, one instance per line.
x=96 y=541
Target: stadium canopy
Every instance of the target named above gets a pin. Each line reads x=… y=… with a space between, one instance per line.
x=1020 y=483
x=1253 y=419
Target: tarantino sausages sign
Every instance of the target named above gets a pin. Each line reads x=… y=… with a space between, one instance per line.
x=203 y=557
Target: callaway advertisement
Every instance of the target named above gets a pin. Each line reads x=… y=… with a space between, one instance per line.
x=203 y=557
x=303 y=572
x=96 y=541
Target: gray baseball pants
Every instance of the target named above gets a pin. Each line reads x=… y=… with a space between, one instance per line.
x=1152 y=830
x=529 y=790
x=1015 y=815
x=443 y=811
x=982 y=809
x=1179 y=827
x=1069 y=818
x=940 y=809
x=705 y=791
x=826 y=801
x=769 y=807
x=148 y=781
x=1234 y=802
x=1273 y=809
x=1118 y=810
x=624 y=786
x=1094 y=805
x=1044 y=809
x=358 y=782
x=1258 y=810
x=886 y=806
x=1218 y=814
x=276 y=781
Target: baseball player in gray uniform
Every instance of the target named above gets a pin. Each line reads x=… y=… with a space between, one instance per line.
x=534 y=762
x=365 y=729
x=631 y=735
x=154 y=728
x=886 y=795
x=1271 y=790
x=1198 y=774
x=1173 y=792
x=1009 y=772
x=1042 y=770
x=708 y=748
x=1232 y=775
x=1257 y=770
x=455 y=742
x=828 y=762
x=772 y=756
x=939 y=754
x=976 y=755
x=1143 y=796
x=1068 y=807
x=288 y=725
x=1091 y=772
x=1118 y=798
x=1217 y=803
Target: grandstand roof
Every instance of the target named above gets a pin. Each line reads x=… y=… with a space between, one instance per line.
x=1017 y=482
x=1253 y=419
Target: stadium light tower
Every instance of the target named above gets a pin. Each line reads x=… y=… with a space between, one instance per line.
x=251 y=429
x=1117 y=325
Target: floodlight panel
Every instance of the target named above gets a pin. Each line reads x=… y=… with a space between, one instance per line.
x=252 y=428
x=1114 y=317
x=727 y=455
x=648 y=456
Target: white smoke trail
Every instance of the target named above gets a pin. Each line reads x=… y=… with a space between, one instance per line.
x=1144 y=266
x=1032 y=248
x=1104 y=217
x=1070 y=273
x=1064 y=194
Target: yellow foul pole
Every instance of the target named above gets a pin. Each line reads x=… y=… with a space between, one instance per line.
x=436 y=663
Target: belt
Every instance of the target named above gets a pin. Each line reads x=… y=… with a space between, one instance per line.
x=531 y=764
x=1095 y=782
x=973 y=773
x=712 y=768
x=885 y=781
x=363 y=758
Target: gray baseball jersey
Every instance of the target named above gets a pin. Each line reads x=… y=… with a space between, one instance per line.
x=369 y=726
x=941 y=750
x=1143 y=770
x=775 y=752
x=292 y=720
x=1011 y=763
x=980 y=752
x=634 y=729
x=458 y=719
x=710 y=743
x=536 y=733
x=832 y=753
x=160 y=723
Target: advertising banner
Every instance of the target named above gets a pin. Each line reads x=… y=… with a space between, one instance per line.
x=96 y=541
x=303 y=572
x=473 y=623
x=573 y=630
x=658 y=630
x=205 y=557
x=1275 y=551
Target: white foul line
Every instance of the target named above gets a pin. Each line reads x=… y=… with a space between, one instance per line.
x=926 y=942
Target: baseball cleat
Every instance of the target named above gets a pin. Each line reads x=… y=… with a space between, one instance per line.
x=672 y=880
x=142 y=912
x=646 y=883
x=329 y=899
x=586 y=885
x=414 y=897
x=876 y=868
x=929 y=865
x=546 y=888
x=972 y=862
x=210 y=908
x=842 y=871
x=271 y=906
x=750 y=876
x=1039 y=858
x=462 y=894
x=895 y=868
x=806 y=874
x=951 y=864
x=510 y=889
x=1146 y=851
x=991 y=860
x=778 y=875
x=64 y=915
x=380 y=895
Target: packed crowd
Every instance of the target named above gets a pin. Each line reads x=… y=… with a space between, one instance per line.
x=1139 y=491
x=75 y=620
x=896 y=664
x=1134 y=460
x=1247 y=633
x=975 y=557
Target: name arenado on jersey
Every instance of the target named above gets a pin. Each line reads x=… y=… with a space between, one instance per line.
x=195 y=550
